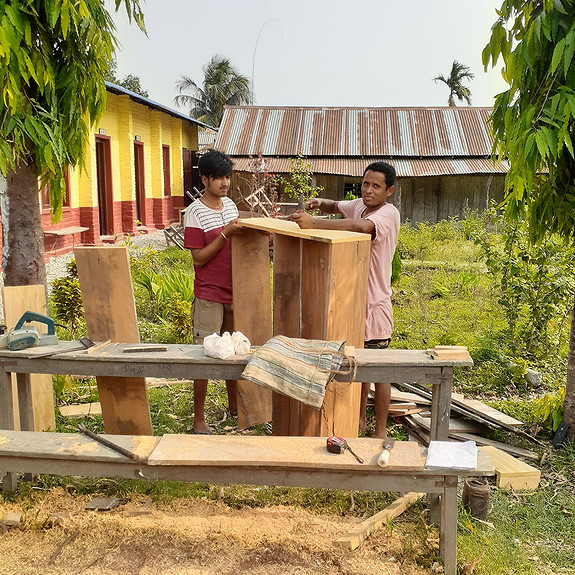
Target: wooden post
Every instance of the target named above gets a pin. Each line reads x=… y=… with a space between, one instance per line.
x=252 y=316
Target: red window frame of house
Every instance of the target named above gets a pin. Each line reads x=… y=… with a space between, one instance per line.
x=167 y=170
x=45 y=193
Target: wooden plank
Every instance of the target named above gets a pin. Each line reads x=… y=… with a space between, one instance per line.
x=286 y=321
x=457 y=425
x=284 y=227
x=495 y=415
x=285 y=452
x=81 y=410
x=472 y=412
x=252 y=316
x=397 y=395
x=342 y=272
x=314 y=309
x=511 y=472
x=402 y=405
x=106 y=285
x=17 y=300
x=39 y=445
x=353 y=539
x=512 y=449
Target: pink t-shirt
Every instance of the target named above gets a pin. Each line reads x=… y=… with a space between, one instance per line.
x=212 y=281
x=386 y=219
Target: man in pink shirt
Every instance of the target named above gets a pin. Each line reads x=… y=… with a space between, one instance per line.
x=370 y=214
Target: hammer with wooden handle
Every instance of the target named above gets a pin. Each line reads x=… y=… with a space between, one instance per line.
x=383 y=459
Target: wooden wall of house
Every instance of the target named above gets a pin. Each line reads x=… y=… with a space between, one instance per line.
x=423 y=199
x=431 y=199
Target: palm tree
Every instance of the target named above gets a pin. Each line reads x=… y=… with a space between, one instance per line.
x=222 y=86
x=459 y=72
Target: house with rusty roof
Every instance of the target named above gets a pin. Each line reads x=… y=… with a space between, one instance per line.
x=441 y=154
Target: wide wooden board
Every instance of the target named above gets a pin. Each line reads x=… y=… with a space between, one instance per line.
x=17 y=300
x=291 y=452
x=286 y=321
x=284 y=227
x=110 y=309
x=252 y=316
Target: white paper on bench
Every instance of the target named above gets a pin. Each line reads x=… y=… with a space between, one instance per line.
x=451 y=454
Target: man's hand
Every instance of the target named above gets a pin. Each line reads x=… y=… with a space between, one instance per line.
x=312 y=204
x=303 y=220
x=232 y=228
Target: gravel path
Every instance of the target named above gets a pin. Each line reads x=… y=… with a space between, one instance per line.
x=56 y=267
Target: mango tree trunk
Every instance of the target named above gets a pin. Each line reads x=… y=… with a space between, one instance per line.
x=22 y=237
x=569 y=405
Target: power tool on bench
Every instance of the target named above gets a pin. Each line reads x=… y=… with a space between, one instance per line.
x=23 y=337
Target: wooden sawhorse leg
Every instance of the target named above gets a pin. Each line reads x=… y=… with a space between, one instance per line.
x=7 y=421
x=448 y=525
x=8 y=408
x=439 y=430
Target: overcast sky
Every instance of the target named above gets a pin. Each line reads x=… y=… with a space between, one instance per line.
x=314 y=52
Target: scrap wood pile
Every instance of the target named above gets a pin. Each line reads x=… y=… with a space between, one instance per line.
x=470 y=420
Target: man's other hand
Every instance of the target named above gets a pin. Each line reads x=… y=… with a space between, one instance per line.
x=312 y=204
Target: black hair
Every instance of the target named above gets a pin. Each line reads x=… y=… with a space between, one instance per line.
x=214 y=164
x=386 y=169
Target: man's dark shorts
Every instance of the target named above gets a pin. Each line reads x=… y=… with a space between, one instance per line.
x=377 y=343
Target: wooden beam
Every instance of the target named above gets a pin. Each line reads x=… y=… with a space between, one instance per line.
x=512 y=473
x=353 y=539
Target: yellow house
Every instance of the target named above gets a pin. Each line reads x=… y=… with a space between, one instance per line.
x=139 y=165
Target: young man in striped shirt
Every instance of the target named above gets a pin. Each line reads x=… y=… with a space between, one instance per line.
x=209 y=222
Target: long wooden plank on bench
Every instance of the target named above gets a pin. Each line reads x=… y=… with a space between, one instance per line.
x=285 y=452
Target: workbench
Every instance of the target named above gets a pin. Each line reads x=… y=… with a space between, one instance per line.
x=189 y=362
x=275 y=461
x=74 y=454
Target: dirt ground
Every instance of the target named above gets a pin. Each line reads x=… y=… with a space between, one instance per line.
x=191 y=537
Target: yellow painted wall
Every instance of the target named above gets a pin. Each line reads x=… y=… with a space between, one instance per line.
x=123 y=120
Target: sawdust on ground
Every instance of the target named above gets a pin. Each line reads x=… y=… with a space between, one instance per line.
x=191 y=537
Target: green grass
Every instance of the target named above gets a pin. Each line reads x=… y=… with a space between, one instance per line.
x=532 y=532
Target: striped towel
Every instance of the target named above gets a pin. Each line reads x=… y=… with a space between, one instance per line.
x=298 y=368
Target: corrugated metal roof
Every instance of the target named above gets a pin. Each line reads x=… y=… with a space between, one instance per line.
x=404 y=167
x=349 y=132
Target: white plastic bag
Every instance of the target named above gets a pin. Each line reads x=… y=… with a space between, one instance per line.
x=220 y=347
x=241 y=343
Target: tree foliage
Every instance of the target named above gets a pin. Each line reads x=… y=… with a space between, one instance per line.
x=53 y=56
x=534 y=120
x=223 y=86
x=130 y=81
x=300 y=182
x=459 y=73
